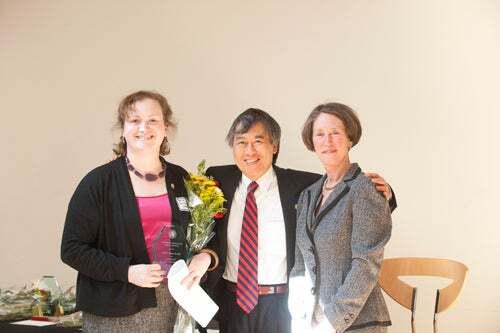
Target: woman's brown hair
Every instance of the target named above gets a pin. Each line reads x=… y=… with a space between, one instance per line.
x=339 y=110
x=127 y=105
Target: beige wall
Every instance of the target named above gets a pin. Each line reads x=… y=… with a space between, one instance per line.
x=422 y=75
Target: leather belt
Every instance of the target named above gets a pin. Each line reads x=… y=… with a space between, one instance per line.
x=263 y=289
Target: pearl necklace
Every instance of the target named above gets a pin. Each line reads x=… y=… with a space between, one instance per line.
x=150 y=177
x=326 y=188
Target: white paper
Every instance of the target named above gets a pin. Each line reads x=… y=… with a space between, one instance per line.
x=195 y=300
x=194 y=200
x=34 y=323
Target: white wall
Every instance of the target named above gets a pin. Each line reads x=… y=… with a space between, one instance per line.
x=421 y=74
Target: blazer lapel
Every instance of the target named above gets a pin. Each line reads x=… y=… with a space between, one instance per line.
x=288 y=201
x=338 y=193
x=228 y=185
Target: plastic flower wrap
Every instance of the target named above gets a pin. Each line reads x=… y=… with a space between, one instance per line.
x=44 y=298
x=16 y=304
x=205 y=202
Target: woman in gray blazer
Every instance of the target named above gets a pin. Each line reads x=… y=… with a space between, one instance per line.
x=343 y=224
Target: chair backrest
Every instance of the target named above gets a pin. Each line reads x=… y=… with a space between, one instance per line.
x=405 y=294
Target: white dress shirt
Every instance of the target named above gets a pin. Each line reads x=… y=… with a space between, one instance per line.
x=272 y=265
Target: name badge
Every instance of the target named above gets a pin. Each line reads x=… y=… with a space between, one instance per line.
x=182 y=203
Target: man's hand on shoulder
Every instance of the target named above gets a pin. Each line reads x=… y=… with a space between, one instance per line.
x=380 y=184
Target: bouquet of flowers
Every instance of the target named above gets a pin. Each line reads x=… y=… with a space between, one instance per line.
x=205 y=202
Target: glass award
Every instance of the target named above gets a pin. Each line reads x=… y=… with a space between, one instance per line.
x=168 y=246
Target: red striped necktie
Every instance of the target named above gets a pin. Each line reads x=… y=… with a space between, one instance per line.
x=247 y=288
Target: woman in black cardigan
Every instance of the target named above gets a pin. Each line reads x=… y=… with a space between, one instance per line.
x=113 y=218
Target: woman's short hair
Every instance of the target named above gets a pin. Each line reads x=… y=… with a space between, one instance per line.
x=127 y=105
x=343 y=112
x=250 y=117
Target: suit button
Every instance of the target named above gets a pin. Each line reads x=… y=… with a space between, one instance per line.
x=311 y=249
x=314 y=269
x=313 y=290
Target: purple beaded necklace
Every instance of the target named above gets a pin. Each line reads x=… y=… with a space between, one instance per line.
x=150 y=177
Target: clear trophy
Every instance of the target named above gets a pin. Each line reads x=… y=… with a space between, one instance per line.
x=168 y=246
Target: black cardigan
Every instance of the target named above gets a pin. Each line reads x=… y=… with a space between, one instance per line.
x=103 y=236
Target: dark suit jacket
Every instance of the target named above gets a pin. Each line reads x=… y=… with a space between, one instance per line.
x=290 y=184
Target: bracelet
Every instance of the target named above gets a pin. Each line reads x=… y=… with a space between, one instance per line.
x=214 y=256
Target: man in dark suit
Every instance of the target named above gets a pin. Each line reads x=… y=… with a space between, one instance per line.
x=251 y=285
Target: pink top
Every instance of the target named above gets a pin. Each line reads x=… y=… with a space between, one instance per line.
x=155 y=213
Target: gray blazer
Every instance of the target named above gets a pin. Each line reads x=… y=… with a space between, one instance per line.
x=342 y=248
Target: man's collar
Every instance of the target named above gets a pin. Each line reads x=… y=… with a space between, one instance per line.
x=265 y=181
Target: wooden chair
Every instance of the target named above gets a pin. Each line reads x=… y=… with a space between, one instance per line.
x=406 y=294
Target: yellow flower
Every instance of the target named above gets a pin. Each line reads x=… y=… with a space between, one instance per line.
x=199 y=179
